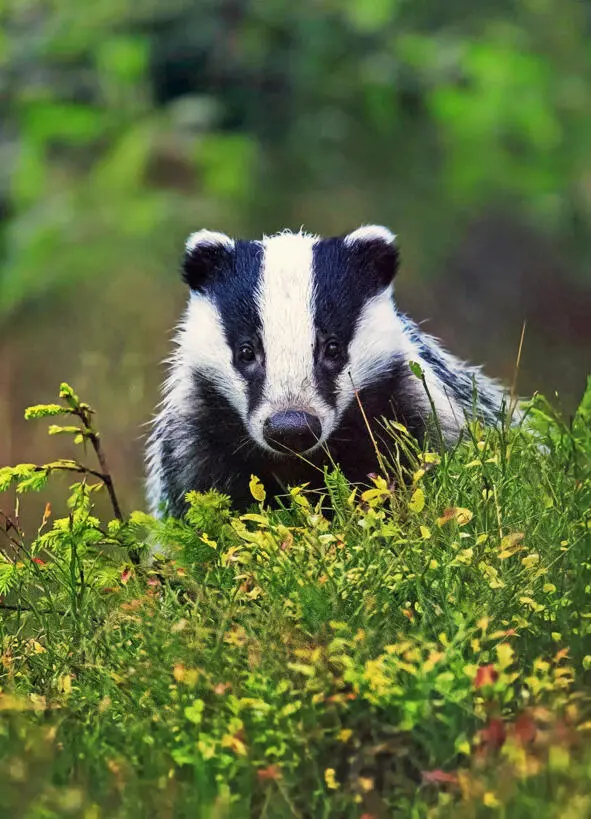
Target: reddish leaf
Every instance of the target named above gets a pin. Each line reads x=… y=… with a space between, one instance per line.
x=524 y=729
x=563 y=735
x=493 y=735
x=271 y=773
x=486 y=675
x=439 y=777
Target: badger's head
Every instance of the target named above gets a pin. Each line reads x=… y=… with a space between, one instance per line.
x=288 y=328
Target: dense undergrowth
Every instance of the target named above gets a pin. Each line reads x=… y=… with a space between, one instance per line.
x=421 y=648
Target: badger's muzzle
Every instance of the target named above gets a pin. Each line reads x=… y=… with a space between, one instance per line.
x=292 y=431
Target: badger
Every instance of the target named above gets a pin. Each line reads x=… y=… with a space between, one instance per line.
x=290 y=354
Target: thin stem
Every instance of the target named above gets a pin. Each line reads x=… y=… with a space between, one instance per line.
x=85 y=416
x=84 y=413
x=74 y=466
x=8 y=525
x=369 y=429
x=514 y=400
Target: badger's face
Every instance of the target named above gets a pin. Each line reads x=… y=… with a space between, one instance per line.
x=287 y=329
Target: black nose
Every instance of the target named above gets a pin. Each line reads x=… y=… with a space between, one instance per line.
x=292 y=430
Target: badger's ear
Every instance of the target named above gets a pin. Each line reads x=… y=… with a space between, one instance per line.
x=205 y=253
x=375 y=250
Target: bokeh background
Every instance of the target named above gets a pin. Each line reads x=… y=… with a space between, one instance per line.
x=464 y=126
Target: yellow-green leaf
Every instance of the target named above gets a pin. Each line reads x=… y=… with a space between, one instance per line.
x=417 y=501
x=257 y=490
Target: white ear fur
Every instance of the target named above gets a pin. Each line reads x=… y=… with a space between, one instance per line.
x=205 y=252
x=370 y=233
x=207 y=239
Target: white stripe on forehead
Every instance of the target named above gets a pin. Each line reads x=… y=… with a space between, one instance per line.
x=285 y=301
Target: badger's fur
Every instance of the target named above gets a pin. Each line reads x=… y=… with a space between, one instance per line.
x=281 y=340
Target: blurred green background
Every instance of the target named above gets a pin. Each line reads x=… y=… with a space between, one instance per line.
x=464 y=126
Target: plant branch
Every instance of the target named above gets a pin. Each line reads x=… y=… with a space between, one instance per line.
x=8 y=525
x=84 y=413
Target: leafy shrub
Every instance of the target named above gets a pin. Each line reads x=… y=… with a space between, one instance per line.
x=415 y=648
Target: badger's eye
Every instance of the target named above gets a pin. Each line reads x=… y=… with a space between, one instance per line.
x=246 y=354
x=332 y=350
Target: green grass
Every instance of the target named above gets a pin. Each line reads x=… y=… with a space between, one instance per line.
x=421 y=649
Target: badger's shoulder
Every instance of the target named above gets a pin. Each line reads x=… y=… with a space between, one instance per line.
x=472 y=390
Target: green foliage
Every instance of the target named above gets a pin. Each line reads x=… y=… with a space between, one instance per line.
x=68 y=395
x=422 y=650
x=44 y=411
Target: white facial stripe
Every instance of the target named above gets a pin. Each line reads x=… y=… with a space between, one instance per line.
x=285 y=300
x=203 y=342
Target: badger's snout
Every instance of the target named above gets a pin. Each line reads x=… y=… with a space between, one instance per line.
x=292 y=430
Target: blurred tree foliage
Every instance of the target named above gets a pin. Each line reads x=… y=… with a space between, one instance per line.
x=124 y=125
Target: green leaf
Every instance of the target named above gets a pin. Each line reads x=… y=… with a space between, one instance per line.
x=417 y=501
x=371 y=15
x=62 y=463
x=72 y=123
x=6 y=478
x=194 y=712
x=68 y=395
x=581 y=425
x=257 y=490
x=583 y=412
x=44 y=411
x=8 y=576
x=416 y=369
x=34 y=483
x=123 y=59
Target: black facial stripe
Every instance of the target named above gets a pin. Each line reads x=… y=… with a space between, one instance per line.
x=341 y=290
x=255 y=375
x=326 y=376
x=233 y=291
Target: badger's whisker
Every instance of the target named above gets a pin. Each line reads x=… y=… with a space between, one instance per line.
x=243 y=443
